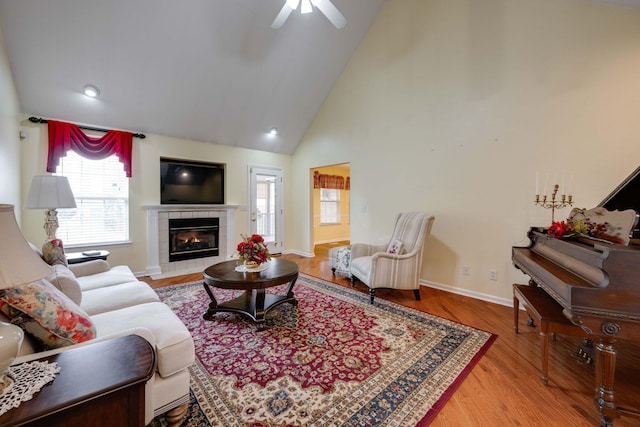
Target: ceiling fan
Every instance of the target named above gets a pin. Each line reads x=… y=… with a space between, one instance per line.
x=325 y=6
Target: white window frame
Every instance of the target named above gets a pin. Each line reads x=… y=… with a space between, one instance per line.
x=102 y=198
x=329 y=206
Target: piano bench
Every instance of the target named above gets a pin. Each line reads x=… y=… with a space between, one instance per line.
x=548 y=313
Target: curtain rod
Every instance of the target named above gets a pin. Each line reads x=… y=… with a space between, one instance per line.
x=40 y=120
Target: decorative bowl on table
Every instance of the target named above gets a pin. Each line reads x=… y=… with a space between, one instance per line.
x=251 y=267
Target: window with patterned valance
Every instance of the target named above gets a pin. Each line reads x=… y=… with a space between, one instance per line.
x=336 y=182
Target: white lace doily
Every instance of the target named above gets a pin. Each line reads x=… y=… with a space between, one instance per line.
x=28 y=379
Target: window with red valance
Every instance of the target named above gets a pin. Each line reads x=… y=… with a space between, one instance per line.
x=68 y=136
x=336 y=182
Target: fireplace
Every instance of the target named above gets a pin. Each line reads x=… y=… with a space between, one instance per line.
x=191 y=238
x=159 y=241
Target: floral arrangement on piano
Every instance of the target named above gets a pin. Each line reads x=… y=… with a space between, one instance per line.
x=568 y=229
x=253 y=250
x=598 y=223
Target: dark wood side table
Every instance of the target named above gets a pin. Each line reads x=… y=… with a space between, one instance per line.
x=101 y=384
x=78 y=257
x=254 y=302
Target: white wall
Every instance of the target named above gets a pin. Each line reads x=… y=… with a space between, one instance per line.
x=451 y=106
x=448 y=106
x=9 y=140
x=144 y=186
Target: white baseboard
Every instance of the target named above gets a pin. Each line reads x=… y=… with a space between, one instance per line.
x=465 y=292
x=300 y=253
x=324 y=242
x=175 y=273
x=447 y=288
x=508 y=302
x=150 y=271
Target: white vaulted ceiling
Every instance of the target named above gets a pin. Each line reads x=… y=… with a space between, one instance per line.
x=205 y=70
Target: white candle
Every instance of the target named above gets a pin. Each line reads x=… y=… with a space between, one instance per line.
x=537 y=192
x=546 y=181
x=564 y=189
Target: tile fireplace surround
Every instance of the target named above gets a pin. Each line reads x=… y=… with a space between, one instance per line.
x=158 y=265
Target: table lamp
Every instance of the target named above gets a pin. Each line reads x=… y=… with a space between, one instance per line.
x=19 y=264
x=50 y=192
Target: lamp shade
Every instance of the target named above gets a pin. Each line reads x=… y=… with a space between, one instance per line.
x=19 y=263
x=50 y=192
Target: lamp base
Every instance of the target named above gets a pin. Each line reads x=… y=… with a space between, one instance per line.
x=5 y=384
x=11 y=337
x=51 y=223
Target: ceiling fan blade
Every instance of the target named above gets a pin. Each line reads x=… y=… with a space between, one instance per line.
x=282 y=16
x=331 y=12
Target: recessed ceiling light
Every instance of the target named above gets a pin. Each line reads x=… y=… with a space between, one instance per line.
x=273 y=131
x=91 y=91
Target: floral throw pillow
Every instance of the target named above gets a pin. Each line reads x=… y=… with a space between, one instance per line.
x=53 y=252
x=47 y=314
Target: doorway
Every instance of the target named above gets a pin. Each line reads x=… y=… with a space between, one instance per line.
x=266 y=206
x=331 y=210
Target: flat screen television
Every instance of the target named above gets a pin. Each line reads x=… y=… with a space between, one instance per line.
x=191 y=182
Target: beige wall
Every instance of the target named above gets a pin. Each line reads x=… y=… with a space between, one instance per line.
x=448 y=106
x=9 y=140
x=144 y=186
x=332 y=232
x=451 y=106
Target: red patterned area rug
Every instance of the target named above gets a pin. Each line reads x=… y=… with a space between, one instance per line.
x=332 y=360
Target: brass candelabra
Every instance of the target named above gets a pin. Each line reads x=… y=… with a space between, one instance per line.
x=555 y=203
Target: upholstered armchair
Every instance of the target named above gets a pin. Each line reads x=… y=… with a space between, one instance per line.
x=396 y=264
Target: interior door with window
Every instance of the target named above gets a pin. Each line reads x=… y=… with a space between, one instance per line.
x=266 y=206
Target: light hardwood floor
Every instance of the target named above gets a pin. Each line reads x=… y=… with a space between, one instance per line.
x=504 y=388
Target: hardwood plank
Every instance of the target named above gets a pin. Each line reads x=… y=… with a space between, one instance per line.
x=504 y=389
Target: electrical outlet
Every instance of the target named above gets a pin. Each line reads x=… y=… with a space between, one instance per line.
x=466 y=270
x=493 y=275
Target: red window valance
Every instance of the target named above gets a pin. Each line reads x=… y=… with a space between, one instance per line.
x=68 y=136
x=331 y=181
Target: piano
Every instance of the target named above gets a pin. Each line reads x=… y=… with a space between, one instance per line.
x=598 y=286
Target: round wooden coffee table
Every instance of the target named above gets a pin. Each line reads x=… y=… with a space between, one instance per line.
x=254 y=302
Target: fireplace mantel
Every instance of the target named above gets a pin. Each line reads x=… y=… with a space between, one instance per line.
x=158 y=264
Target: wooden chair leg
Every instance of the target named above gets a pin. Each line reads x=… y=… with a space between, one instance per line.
x=175 y=416
x=416 y=292
x=516 y=312
x=372 y=294
x=544 y=338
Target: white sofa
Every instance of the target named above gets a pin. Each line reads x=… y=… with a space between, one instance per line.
x=119 y=304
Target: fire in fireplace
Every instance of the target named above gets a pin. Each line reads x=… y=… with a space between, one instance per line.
x=193 y=238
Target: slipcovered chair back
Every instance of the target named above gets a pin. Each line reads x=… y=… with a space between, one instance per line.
x=397 y=264
x=410 y=229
